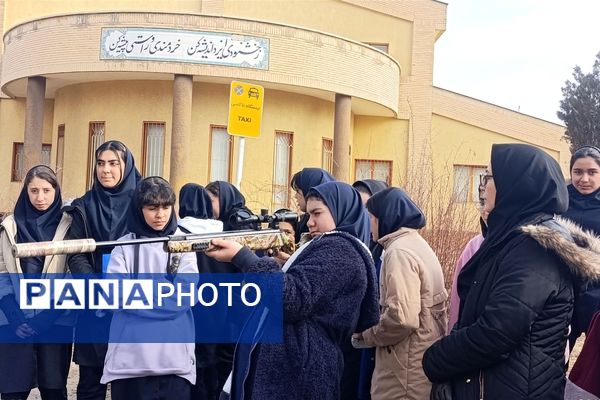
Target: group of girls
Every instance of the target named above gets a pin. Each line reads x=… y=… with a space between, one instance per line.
x=118 y=205
x=363 y=295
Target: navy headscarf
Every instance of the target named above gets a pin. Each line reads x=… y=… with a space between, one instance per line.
x=395 y=209
x=372 y=185
x=230 y=201
x=135 y=218
x=346 y=208
x=194 y=202
x=311 y=177
x=34 y=225
x=106 y=209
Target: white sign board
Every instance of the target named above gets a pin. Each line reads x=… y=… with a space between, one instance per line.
x=184 y=46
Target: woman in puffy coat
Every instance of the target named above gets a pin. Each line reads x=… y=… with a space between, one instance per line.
x=516 y=293
x=412 y=299
x=329 y=292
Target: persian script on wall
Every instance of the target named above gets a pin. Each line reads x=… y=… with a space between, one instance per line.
x=184 y=46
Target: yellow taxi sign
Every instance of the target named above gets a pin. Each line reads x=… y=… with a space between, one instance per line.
x=245 y=109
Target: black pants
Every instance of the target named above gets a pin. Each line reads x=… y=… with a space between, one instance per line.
x=47 y=394
x=207 y=384
x=164 y=387
x=89 y=386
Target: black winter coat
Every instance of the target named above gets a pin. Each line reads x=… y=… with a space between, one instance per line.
x=510 y=339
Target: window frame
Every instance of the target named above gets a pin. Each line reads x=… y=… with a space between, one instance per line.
x=145 y=125
x=13 y=176
x=60 y=152
x=91 y=162
x=290 y=140
x=373 y=161
x=210 y=144
x=324 y=152
x=471 y=190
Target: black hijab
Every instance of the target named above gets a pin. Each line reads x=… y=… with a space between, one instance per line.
x=346 y=208
x=372 y=185
x=584 y=209
x=395 y=209
x=194 y=202
x=311 y=177
x=530 y=189
x=230 y=201
x=529 y=186
x=106 y=209
x=36 y=226
x=135 y=218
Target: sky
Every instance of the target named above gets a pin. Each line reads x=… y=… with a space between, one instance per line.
x=516 y=53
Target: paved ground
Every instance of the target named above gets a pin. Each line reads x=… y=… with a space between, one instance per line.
x=74 y=374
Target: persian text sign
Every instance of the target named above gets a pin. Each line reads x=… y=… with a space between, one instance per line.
x=185 y=46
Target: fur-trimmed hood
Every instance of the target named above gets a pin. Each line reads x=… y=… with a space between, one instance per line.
x=578 y=248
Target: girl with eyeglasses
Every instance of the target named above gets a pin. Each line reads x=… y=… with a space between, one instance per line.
x=516 y=292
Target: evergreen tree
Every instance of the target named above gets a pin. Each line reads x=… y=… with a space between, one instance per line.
x=580 y=107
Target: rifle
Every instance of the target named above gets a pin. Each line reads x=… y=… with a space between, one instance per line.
x=254 y=240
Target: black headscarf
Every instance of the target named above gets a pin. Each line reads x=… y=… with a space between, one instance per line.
x=584 y=209
x=530 y=189
x=135 y=218
x=372 y=185
x=230 y=201
x=529 y=186
x=395 y=209
x=346 y=208
x=36 y=226
x=194 y=202
x=311 y=177
x=106 y=209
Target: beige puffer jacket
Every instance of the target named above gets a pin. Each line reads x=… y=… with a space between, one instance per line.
x=413 y=316
x=10 y=267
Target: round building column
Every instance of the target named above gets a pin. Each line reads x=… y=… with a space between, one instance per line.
x=342 y=126
x=181 y=131
x=34 y=121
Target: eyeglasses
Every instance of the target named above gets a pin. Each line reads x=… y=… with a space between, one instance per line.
x=485 y=178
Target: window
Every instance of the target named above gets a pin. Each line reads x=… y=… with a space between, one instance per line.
x=154 y=148
x=380 y=46
x=96 y=134
x=374 y=169
x=281 y=171
x=60 y=153
x=18 y=164
x=327 y=155
x=220 y=154
x=466 y=182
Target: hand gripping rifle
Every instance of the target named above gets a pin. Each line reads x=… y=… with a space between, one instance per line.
x=254 y=240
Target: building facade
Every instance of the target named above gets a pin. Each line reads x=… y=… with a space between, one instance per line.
x=348 y=87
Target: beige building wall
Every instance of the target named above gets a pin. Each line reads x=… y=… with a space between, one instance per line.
x=317 y=50
x=12 y=127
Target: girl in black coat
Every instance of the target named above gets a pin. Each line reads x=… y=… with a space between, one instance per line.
x=516 y=293
x=584 y=209
x=100 y=214
x=228 y=203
